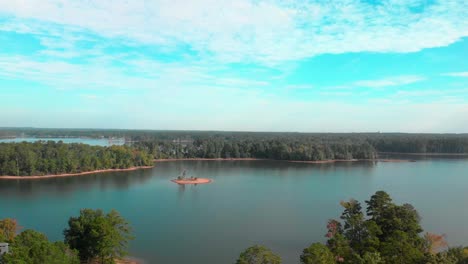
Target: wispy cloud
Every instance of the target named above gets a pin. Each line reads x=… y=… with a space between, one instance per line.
x=456 y=74
x=230 y=64
x=299 y=86
x=392 y=81
x=89 y=96
x=245 y=30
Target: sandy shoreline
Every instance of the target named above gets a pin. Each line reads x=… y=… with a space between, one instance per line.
x=7 y=177
x=197 y=181
x=323 y=161
x=206 y=159
x=425 y=154
x=38 y=177
x=254 y=159
x=293 y=161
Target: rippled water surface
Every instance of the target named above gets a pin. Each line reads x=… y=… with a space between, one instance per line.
x=89 y=141
x=284 y=206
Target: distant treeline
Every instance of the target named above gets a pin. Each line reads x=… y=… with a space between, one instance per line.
x=273 y=145
x=49 y=157
x=420 y=143
x=296 y=146
x=279 y=149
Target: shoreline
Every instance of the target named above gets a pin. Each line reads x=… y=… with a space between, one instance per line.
x=425 y=154
x=207 y=159
x=292 y=161
x=37 y=177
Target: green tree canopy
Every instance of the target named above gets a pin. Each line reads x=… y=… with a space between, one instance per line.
x=389 y=233
x=98 y=236
x=317 y=254
x=370 y=258
x=49 y=157
x=258 y=255
x=31 y=247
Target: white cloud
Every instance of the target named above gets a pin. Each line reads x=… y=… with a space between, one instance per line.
x=204 y=35
x=456 y=74
x=245 y=30
x=299 y=86
x=164 y=79
x=392 y=81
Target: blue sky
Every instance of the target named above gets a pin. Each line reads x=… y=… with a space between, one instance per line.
x=315 y=66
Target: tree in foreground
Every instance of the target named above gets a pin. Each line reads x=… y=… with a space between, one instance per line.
x=98 y=237
x=31 y=247
x=317 y=254
x=387 y=233
x=258 y=255
x=8 y=229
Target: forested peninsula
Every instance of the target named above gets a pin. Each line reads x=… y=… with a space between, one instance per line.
x=142 y=147
x=44 y=158
x=180 y=142
x=294 y=146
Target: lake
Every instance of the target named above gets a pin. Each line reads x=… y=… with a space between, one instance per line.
x=90 y=141
x=284 y=206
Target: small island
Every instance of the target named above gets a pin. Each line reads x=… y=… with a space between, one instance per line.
x=182 y=179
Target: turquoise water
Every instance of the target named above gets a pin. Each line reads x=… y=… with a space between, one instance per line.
x=89 y=141
x=284 y=206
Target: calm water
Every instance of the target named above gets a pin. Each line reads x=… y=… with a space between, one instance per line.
x=89 y=141
x=284 y=206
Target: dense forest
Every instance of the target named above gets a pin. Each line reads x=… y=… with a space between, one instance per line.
x=194 y=140
x=279 y=149
x=37 y=159
x=49 y=157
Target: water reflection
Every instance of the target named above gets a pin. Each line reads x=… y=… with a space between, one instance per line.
x=282 y=205
x=67 y=185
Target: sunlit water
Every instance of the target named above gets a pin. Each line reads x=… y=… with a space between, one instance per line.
x=89 y=141
x=284 y=206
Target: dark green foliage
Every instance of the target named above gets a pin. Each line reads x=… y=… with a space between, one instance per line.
x=382 y=142
x=419 y=143
x=31 y=247
x=369 y=258
x=355 y=230
x=43 y=158
x=458 y=254
x=98 y=236
x=317 y=254
x=258 y=255
x=261 y=145
x=400 y=247
x=284 y=148
x=389 y=234
x=337 y=242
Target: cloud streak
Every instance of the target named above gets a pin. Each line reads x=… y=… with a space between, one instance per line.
x=388 y=82
x=456 y=74
x=236 y=65
x=267 y=32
